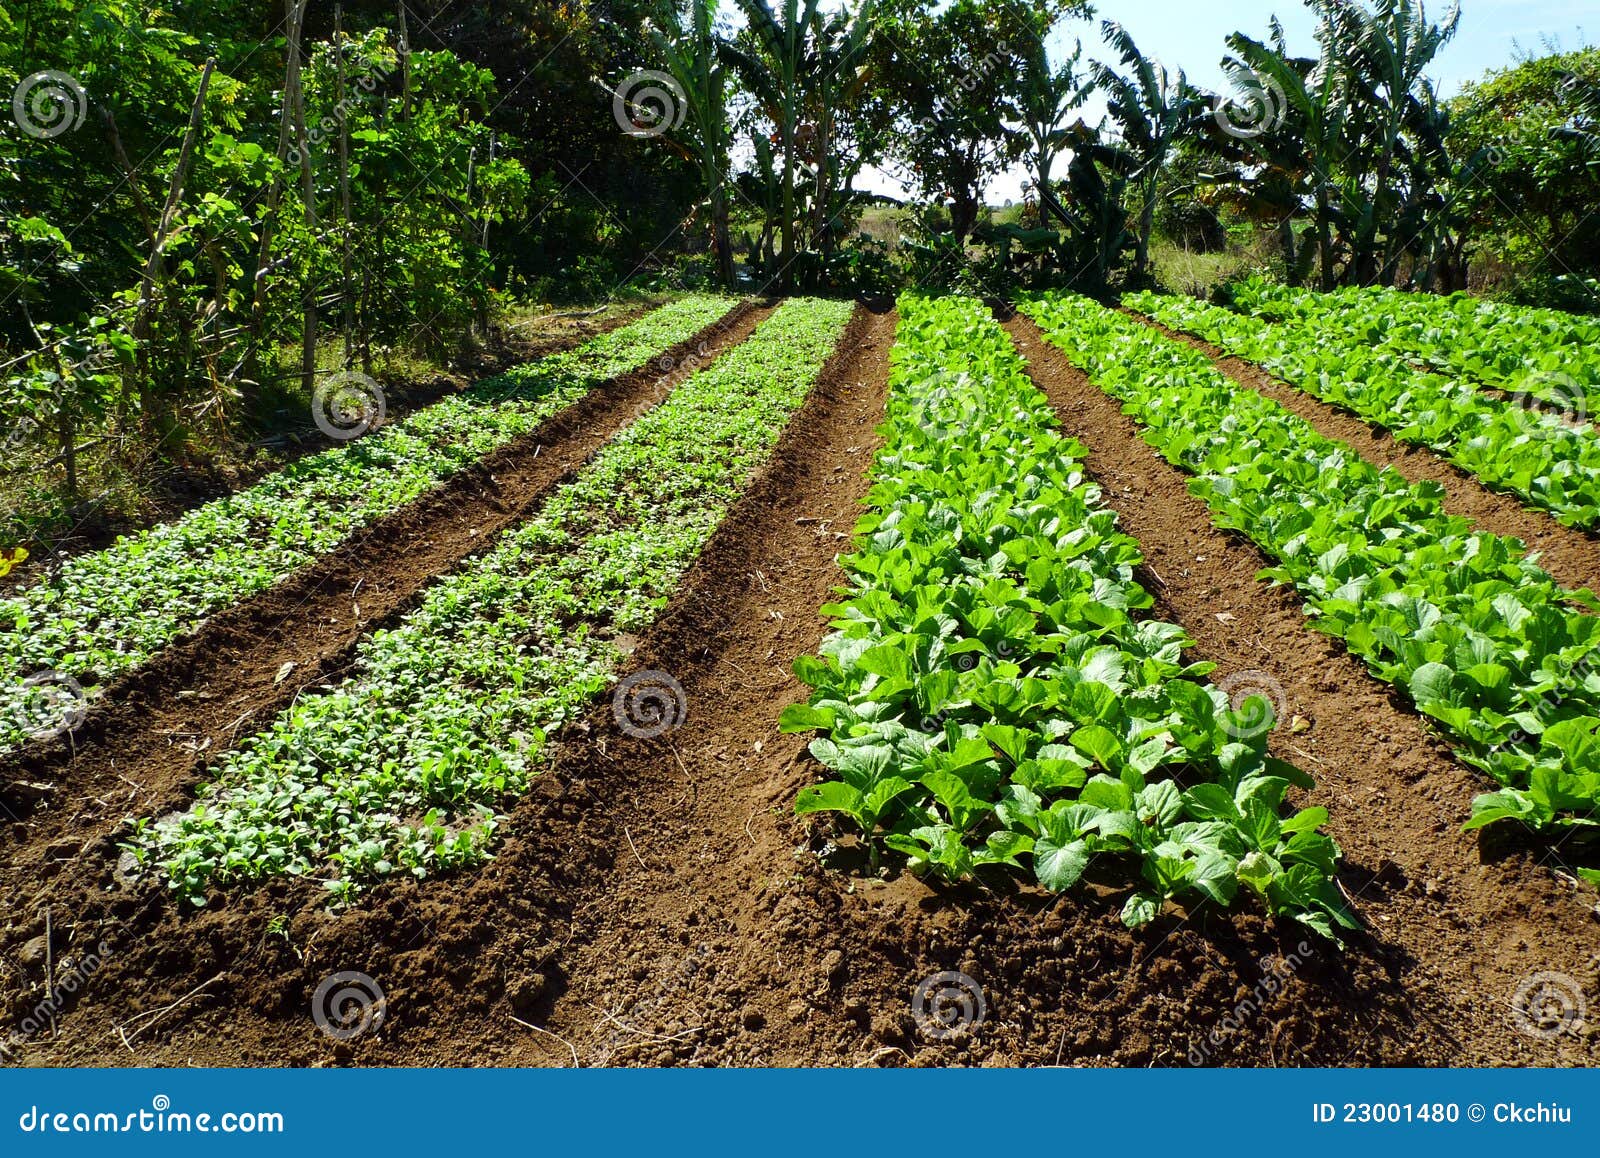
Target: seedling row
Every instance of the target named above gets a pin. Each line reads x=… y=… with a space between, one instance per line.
x=401 y=768
x=102 y=614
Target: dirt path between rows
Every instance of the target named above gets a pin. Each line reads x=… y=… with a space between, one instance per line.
x=656 y=901
x=468 y=965
x=1461 y=926
x=1572 y=556
x=147 y=744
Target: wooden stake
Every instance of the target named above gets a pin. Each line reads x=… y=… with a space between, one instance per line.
x=405 y=61
x=50 y=971
x=153 y=264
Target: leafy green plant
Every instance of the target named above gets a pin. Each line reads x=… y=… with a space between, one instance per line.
x=1547 y=355
x=399 y=768
x=994 y=692
x=104 y=613
x=1483 y=640
x=1541 y=458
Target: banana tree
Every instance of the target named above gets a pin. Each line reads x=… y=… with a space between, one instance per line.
x=1291 y=152
x=840 y=43
x=687 y=42
x=1046 y=95
x=1434 y=222
x=1388 y=49
x=1151 y=107
x=1094 y=211
x=774 y=70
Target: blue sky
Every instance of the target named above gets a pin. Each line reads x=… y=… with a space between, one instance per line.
x=1190 y=33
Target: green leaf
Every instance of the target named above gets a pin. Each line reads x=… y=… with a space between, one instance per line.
x=882 y=794
x=1104 y=792
x=1306 y=820
x=1432 y=681
x=1140 y=909
x=1100 y=745
x=1059 y=866
x=805 y=718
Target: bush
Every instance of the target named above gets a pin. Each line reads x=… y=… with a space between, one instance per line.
x=1576 y=295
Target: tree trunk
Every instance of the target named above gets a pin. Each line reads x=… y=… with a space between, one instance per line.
x=69 y=451
x=308 y=192
x=786 y=258
x=269 y=218
x=141 y=323
x=483 y=243
x=1147 y=218
x=719 y=225
x=346 y=287
x=963 y=215
x=140 y=370
x=1324 y=242
x=820 y=188
x=1291 y=262
x=405 y=61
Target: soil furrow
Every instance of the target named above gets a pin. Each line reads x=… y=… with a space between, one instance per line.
x=656 y=901
x=466 y=963
x=1460 y=922
x=677 y=962
x=1572 y=556
x=152 y=734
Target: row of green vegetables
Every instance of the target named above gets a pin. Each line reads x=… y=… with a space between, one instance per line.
x=1548 y=354
x=994 y=691
x=1543 y=458
x=104 y=613
x=1482 y=639
x=399 y=768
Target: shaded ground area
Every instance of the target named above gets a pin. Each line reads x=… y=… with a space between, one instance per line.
x=169 y=491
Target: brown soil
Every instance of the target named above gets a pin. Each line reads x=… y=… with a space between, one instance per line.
x=154 y=731
x=656 y=902
x=169 y=493
x=455 y=981
x=1572 y=556
x=1461 y=924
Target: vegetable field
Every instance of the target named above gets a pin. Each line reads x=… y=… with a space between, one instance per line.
x=920 y=681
